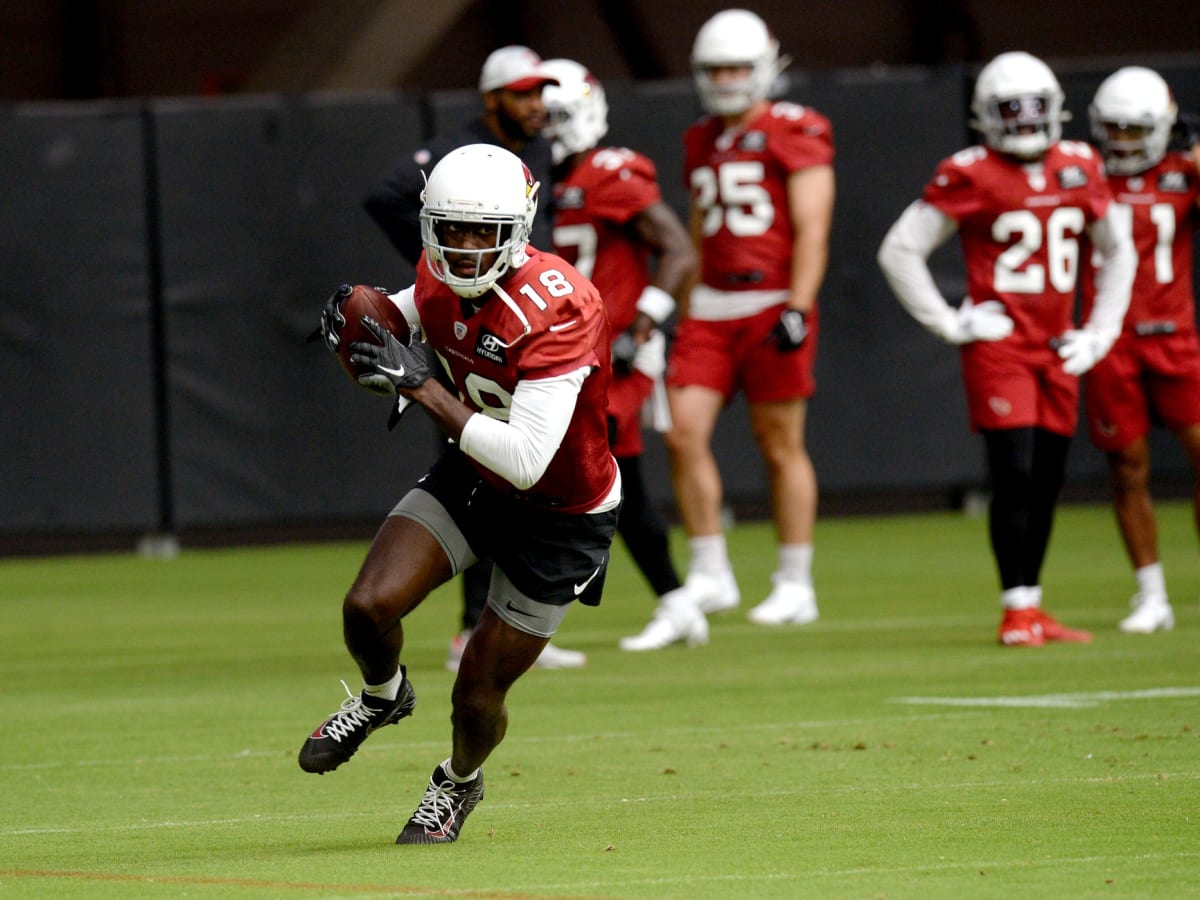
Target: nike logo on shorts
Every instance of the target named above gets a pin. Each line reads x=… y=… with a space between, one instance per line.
x=521 y=612
x=580 y=588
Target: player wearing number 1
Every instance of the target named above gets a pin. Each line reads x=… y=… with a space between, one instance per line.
x=762 y=191
x=523 y=339
x=1153 y=370
x=1021 y=204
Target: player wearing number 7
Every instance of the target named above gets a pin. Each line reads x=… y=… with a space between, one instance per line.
x=1021 y=204
x=531 y=484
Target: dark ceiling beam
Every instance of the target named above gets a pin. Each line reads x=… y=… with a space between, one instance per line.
x=355 y=44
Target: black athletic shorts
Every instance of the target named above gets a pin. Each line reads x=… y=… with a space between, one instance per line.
x=550 y=556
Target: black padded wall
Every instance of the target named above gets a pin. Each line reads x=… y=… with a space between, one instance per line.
x=77 y=424
x=261 y=219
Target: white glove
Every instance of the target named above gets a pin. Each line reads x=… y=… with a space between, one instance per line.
x=986 y=322
x=651 y=357
x=1080 y=350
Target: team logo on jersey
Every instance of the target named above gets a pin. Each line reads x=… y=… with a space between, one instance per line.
x=571 y=198
x=1000 y=406
x=490 y=347
x=753 y=141
x=1071 y=177
x=460 y=330
x=1173 y=183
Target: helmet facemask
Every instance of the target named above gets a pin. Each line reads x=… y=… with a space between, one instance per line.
x=1026 y=126
x=442 y=257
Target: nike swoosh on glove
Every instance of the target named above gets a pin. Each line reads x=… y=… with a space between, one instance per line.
x=332 y=318
x=791 y=331
x=392 y=365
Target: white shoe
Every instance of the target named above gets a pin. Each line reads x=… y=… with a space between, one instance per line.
x=713 y=593
x=1151 y=612
x=560 y=658
x=677 y=618
x=789 y=603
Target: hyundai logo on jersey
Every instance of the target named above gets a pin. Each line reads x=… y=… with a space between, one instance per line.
x=490 y=347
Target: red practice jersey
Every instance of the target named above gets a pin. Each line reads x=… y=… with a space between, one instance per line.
x=738 y=184
x=1161 y=206
x=1020 y=227
x=593 y=208
x=540 y=320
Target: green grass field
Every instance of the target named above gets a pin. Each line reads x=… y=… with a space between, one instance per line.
x=154 y=709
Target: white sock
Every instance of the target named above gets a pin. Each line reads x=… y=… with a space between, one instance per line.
x=389 y=690
x=795 y=563
x=1151 y=580
x=1021 y=598
x=455 y=778
x=709 y=554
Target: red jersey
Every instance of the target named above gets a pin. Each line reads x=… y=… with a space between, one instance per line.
x=1160 y=204
x=593 y=207
x=1020 y=227
x=540 y=320
x=738 y=183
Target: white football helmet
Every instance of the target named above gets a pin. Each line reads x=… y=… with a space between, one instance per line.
x=575 y=107
x=1018 y=105
x=735 y=37
x=478 y=183
x=1136 y=104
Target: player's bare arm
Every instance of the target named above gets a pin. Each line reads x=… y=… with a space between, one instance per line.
x=810 y=205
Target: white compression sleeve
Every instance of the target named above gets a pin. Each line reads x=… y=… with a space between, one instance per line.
x=1114 y=277
x=902 y=256
x=520 y=449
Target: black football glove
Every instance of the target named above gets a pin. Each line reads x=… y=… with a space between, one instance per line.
x=791 y=331
x=391 y=365
x=332 y=318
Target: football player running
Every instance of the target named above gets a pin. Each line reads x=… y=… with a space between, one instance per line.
x=761 y=179
x=512 y=116
x=531 y=483
x=1020 y=203
x=1152 y=372
x=611 y=222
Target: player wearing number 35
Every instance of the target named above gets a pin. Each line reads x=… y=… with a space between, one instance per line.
x=761 y=179
x=532 y=485
x=1021 y=204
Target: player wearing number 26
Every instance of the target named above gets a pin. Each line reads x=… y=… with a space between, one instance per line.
x=1021 y=204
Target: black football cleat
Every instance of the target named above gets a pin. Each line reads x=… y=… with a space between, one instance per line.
x=443 y=810
x=339 y=736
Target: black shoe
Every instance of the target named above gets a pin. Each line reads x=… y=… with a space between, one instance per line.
x=339 y=736
x=442 y=812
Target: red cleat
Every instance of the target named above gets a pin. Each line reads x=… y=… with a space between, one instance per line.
x=1023 y=628
x=1053 y=630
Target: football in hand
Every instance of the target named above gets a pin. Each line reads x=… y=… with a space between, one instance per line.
x=364 y=300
